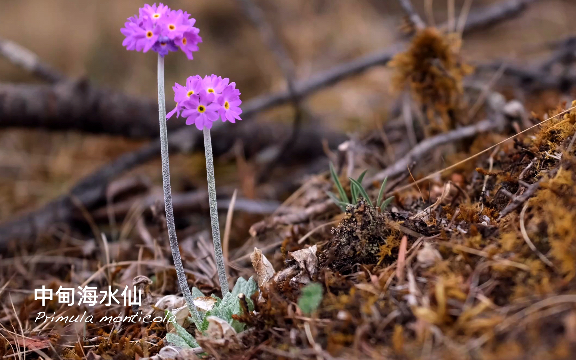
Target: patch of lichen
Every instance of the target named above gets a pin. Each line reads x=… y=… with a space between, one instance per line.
x=433 y=70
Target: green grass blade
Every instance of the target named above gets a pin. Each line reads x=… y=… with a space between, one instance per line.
x=343 y=196
x=386 y=203
x=361 y=190
x=333 y=197
x=354 y=191
x=361 y=177
x=381 y=193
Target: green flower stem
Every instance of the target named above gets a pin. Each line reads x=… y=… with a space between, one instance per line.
x=214 y=213
x=168 y=194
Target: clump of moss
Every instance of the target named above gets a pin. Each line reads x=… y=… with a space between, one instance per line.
x=553 y=212
x=556 y=131
x=432 y=69
x=357 y=239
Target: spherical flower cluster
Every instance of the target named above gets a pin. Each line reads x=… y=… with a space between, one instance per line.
x=203 y=100
x=162 y=30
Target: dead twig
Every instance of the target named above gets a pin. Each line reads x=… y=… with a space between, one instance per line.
x=293 y=218
x=424 y=148
x=270 y=38
x=412 y=14
x=519 y=200
x=29 y=61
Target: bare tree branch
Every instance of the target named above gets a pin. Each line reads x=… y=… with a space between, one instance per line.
x=424 y=148
x=76 y=106
x=29 y=61
x=271 y=39
x=91 y=191
x=195 y=201
x=412 y=14
x=494 y=14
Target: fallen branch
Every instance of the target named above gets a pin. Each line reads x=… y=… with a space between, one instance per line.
x=270 y=38
x=520 y=200
x=412 y=14
x=92 y=190
x=26 y=59
x=289 y=219
x=195 y=201
x=424 y=148
x=494 y=14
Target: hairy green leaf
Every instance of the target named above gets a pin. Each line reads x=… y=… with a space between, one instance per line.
x=185 y=335
x=310 y=298
x=176 y=340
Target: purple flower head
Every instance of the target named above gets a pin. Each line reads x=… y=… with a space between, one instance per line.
x=203 y=100
x=201 y=110
x=215 y=84
x=183 y=93
x=162 y=30
x=229 y=103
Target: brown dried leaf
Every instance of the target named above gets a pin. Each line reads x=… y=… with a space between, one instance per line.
x=264 y=269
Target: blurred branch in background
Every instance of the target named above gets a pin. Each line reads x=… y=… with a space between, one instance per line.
x=412 y=14
x=22 y=110
x=19 y=107
x=271 y=39
x=29 y=61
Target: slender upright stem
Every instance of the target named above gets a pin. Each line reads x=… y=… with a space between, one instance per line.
x=214 y=213
x=168 y=194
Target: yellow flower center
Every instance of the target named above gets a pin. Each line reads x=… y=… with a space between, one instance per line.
x=191 y=92
x=162 y=44
x=149 y=34
x=201 y=108
x=210 y=90
x=184 y=41
x=226 y=105
x=156 y=16
x=171 y=27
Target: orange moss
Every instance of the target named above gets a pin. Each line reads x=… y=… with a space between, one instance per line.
x=432 y=69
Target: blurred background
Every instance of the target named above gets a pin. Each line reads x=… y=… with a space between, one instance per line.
x=82 y=39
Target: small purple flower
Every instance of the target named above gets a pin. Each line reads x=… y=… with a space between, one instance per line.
x=189 y=42
x=175 y=24
x=162 y=30
x=201 y=110
x=183 y=93
x=129 y=30
x=229 y=103
x=215 y=84
x=155 y=13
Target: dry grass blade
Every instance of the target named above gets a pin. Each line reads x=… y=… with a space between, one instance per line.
x=527 y=238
